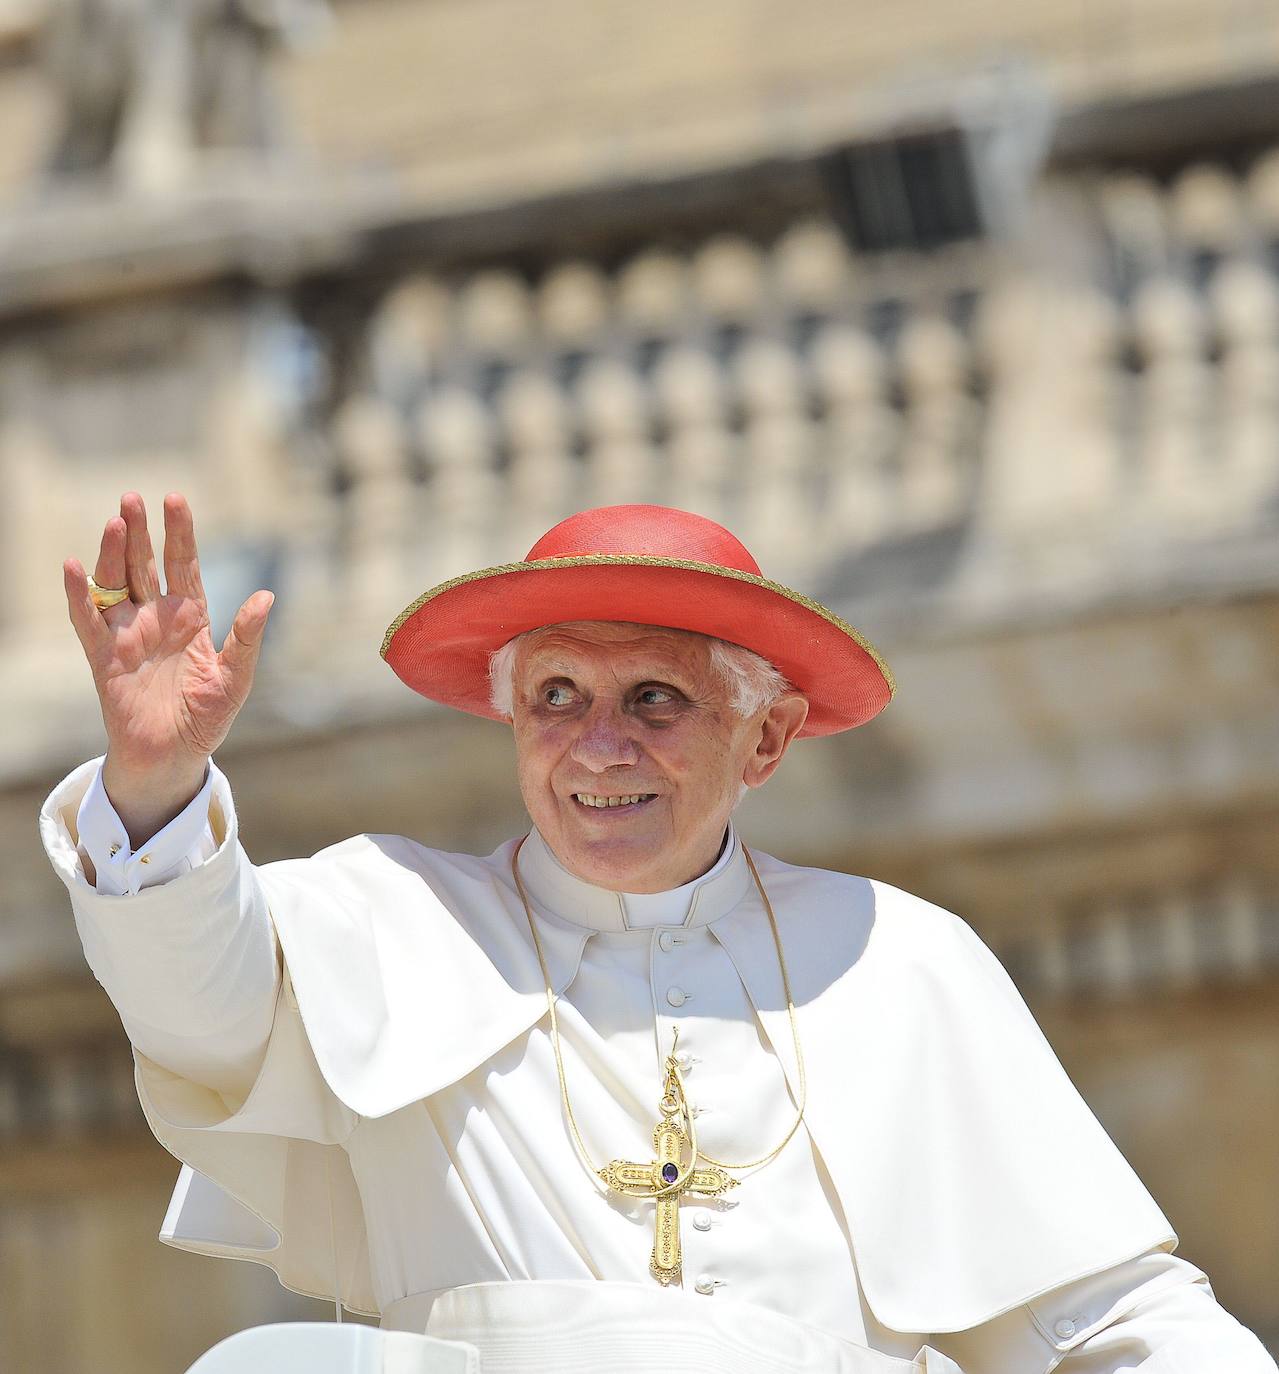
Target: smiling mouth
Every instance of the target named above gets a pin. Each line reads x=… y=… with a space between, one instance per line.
x=599 y=803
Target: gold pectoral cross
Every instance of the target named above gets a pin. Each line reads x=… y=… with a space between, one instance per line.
x=667 y=1179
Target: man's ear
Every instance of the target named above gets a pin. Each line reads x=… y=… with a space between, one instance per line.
x=781 y=723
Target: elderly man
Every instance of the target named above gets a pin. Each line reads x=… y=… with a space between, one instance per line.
x=524 y=1100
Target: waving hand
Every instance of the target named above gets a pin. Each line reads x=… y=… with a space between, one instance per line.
x=168 y=695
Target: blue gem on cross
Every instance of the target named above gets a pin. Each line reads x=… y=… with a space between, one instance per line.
x=670 y=1172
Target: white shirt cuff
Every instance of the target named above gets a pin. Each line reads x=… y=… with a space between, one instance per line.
x=185 y=843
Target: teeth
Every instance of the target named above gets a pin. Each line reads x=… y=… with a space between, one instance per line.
x=589 y=799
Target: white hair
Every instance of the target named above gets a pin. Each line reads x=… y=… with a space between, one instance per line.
x=751 y=681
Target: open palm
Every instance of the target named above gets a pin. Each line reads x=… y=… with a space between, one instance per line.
x=168 y=695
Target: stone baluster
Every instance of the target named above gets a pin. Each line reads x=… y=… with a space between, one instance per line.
x=700 y=452
x=1116 y=965
x=65 y=1093
x=1241 y=928
x=312 y=574
x=371 y=441
x=652 y=299
x=1135 y=214
x=39 y=501
x=251 y=442
x=1176 y=922
x=1261 y=195
x=248 y=448
x=542 y=482
x=1051 y=947
x=1088 y=487
x=465 y=516
x=936 y=455
x=613 y=410
x=1047 y=482
x=37 y=488
x=858 y=441
x=811 y=268
x=11 y=1115
x=494 y=312
x=573 y=306
x=1178 y=493
x=780 y=509
x=1205 y=212
x=408 y=336
x=1244 y=299
x=728 y=281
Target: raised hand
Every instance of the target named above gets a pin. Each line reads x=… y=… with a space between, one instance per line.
x=168 y=695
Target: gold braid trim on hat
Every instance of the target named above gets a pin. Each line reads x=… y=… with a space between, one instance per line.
x=639 y=560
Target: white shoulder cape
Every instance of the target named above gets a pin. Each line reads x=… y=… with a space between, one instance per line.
x=972 y=1175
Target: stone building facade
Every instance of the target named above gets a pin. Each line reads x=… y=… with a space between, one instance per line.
x=967 y=322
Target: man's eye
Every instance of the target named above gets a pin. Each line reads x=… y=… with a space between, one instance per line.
x=558 y=696
x=655 y=696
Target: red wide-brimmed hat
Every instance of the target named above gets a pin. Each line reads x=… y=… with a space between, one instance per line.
x=648 y=565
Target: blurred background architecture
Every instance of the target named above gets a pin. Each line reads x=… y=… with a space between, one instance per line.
x=965 y=318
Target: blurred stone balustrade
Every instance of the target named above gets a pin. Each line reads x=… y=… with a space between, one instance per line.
x=1024 y=435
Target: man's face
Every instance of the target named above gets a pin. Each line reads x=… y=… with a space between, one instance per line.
x=606 y=711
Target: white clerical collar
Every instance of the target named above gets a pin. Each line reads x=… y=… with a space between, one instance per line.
x=580 y=903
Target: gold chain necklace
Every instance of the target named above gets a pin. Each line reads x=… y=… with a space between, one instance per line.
x=667 y=1177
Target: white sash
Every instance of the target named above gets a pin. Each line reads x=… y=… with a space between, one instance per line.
x=584 y=1326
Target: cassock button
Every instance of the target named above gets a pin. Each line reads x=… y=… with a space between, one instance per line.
x=668 y=939
x=702 y=1222
x=676 y=996
x=705 y=1284
x=1065 y=1329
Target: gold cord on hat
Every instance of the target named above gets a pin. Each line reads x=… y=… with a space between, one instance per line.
x=674 y=1171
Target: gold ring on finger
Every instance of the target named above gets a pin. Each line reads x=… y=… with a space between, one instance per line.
x=106 y=597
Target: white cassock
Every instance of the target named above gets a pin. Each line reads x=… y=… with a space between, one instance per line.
x=351 y=1054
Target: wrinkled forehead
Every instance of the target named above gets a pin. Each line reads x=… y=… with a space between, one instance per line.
x=612 y=643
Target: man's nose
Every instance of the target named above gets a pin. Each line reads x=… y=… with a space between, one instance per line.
x=604 y=741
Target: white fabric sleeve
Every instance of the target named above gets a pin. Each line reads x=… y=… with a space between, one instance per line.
x=185 y=843
x=192 y=964
x=1179 y=1330
x=1155 y=1314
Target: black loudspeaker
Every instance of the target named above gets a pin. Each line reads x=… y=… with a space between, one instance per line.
x=917 y=192
x=960 y=168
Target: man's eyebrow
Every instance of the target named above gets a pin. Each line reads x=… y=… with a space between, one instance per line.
x=555 y=666
x=552 y=665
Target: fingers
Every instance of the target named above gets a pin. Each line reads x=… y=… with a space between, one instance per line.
x=243 y=643
x=109 y=570
x=90 y=628
x=139 y=557
x=181 y=565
